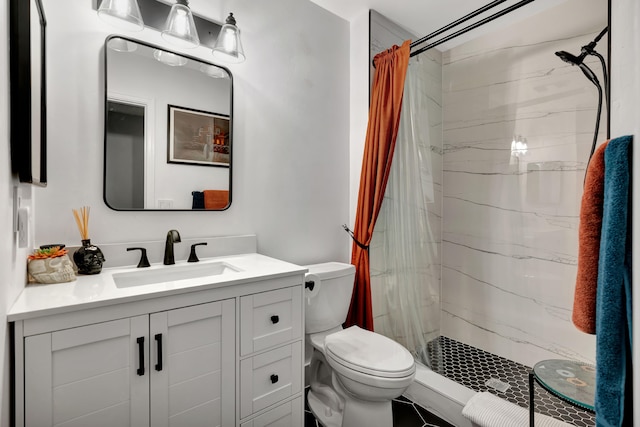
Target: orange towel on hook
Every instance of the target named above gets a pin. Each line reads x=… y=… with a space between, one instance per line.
x=216 y=199
x=589 y=230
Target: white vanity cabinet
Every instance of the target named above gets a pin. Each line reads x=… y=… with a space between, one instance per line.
x=227 y=355
x=162 y=369
x=191 y=374
x=86 y=376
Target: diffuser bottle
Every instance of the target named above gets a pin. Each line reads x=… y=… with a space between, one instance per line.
x=88 y=258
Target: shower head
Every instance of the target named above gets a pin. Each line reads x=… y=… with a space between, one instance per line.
x=584 y=51
x=571 y=59
x=577 y=60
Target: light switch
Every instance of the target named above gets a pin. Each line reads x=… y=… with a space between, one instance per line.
x=23 y=227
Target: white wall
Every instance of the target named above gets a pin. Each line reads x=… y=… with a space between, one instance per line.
x=291 y=133
x=359 y=104
x=625 y=110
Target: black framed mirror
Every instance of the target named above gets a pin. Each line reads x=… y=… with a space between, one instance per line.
x=27 y=47
x=168 y=129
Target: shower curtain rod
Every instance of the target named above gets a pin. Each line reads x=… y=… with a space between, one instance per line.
x=467 y=28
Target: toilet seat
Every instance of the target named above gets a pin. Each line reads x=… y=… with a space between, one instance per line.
x=368 y=354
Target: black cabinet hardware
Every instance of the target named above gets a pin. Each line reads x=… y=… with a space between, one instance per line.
x=158 y=338
x=140 y=342
x=275 y=319
x=274 y=378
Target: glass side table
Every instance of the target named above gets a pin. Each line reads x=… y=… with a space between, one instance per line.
x=572 y=381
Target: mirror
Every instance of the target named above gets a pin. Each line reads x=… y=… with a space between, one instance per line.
x=168 y=126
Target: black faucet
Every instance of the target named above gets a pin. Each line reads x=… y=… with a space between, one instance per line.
x=144 y=261
x=172 y=237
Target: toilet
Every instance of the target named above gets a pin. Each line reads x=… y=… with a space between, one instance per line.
x=354 y=374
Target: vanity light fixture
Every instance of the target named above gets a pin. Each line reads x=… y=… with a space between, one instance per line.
x=213 y=71
x=122 y=45
x=180 y=28
x=177 y=24
x=519 y=146
x=228 y=46
x=124 y=14
x=169 y=58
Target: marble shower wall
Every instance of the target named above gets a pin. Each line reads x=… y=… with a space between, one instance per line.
x=510 y=211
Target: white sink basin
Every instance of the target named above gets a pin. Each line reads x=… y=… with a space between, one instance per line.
x=172 y=273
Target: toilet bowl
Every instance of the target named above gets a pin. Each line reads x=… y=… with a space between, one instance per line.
x=354 y=373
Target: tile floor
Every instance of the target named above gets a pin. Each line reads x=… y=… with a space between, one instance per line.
x=482 y=371
x=405 y=414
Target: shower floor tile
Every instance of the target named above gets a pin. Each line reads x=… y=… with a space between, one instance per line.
x=405 y=414
x=482 y=371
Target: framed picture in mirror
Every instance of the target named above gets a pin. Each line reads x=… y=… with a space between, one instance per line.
x=27 y=77
x=197 y=137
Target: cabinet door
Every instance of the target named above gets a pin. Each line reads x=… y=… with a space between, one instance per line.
x=193 y=366
x=88 y=376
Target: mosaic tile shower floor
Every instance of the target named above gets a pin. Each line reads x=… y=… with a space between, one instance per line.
x=478 y=370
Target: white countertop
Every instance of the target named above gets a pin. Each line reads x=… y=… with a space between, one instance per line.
x=100 y=290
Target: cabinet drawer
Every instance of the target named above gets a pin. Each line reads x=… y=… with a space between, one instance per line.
x=269 y=319
x=270 y=377
x=286 y=415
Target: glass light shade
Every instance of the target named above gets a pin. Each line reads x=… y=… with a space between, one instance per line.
x=124 y=14
x=169 y=58
x=228 y=46
x=180 y=29
x=213 y=71
x=121 y=45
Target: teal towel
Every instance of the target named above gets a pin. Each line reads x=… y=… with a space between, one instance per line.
x=613 y=403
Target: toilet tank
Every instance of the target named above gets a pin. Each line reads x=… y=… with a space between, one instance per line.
x=329 y=307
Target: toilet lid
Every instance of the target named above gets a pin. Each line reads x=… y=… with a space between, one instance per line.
x=370 y=353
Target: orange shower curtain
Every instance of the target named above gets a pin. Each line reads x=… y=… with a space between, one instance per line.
x=382 y=130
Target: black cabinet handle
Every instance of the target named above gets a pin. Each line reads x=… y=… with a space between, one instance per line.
x=275 y=319
x=274 y=378
x=140 y=342
x=158 y=338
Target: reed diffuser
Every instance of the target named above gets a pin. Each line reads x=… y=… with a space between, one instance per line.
x=88 y=258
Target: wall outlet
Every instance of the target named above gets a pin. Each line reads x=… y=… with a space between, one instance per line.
x=165 y=204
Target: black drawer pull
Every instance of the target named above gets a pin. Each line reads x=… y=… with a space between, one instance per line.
x=275 y=319
x=140 y=341
x=158 y=338
x=274 y=378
